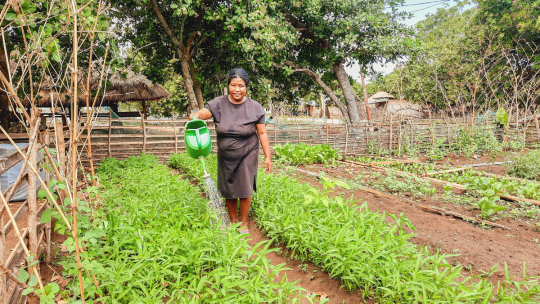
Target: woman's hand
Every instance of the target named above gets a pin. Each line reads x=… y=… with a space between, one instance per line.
x=268 y=164
x=193 y=116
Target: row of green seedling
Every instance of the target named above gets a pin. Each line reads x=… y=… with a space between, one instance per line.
x=153 y=241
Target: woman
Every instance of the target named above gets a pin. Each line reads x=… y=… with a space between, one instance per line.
x=238 y=119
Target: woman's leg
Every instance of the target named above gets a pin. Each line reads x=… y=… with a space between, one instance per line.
x=245 y=205
x=232 y=207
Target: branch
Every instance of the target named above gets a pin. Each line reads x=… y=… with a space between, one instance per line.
x=190 y=40
x=168 y=31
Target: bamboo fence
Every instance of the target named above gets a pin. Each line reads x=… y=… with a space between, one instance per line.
x=121 y=138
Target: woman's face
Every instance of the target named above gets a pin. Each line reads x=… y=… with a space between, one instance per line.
x=237 y=89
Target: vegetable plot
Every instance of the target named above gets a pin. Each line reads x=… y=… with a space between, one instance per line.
x=357 y=246
x=302 y=153
x=153 y=242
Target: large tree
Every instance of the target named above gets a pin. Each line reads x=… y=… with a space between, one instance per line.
x=336 y=33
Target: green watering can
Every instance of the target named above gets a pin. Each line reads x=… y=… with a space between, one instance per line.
x=197 y=139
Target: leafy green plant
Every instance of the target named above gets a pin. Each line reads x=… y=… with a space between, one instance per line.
x=488 y=207
x=525 y=166
x=153 y=241
x=302 y=153
x=357 y=246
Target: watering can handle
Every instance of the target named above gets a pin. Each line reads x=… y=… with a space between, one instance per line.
x=198 y=137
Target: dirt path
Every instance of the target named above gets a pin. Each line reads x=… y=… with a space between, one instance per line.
x=308 y=275
x=478 y=248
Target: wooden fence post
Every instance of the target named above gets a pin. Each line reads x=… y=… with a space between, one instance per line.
x=32 y=194
x=298 y=128
x=535 y=117
x=48 y=225
x=346 y=140
x=110 y=128
x=367 y=137
x=144 y=132
x=175 y=135
x=390 y=130
x=61 y=148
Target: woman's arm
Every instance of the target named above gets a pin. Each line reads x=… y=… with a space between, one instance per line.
x=201 y=114
x=261 y=130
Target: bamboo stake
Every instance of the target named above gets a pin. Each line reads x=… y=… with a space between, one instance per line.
x=448 y=171
x=74 y=123
x=3 y=277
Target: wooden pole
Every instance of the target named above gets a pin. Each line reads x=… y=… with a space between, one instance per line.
x=390 y=130
x=399 y=137
x=346 y=140
x=365 y=97
x=61 y=148
x=144 y=132
x=298 y=128
x=175 y=136
x=48 y=225
x=109 y=137
x=535 y=117
x=32 y=190
x=367 y=137
x=145 y=115
x=432 y=126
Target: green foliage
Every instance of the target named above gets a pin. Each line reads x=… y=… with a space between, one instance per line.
x=301 y=153
x=488 y=207
x=357 y=246
x=486 y=186
x=525 y=166
x=153 y=241
x=502 y=116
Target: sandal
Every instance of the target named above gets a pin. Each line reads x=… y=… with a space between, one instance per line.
x=244 y=231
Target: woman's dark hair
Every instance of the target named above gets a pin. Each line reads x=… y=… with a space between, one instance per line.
x=238 y=73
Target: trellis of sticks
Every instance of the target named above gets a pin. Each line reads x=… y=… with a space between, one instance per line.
x=20 y=82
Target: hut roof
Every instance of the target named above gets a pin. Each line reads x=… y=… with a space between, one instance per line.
x=123 y=86
x=380 y=97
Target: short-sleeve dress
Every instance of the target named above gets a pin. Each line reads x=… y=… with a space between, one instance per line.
x=238 y=144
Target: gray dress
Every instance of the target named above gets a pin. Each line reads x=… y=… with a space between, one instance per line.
x=238 y=144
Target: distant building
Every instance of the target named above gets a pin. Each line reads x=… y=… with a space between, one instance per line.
x=387 y=103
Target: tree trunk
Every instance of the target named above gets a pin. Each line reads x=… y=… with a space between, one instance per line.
x=189 y=84
x=183 y=54
x=321 y=83
x=196 y=84
x=4 y=99
x=348 y=93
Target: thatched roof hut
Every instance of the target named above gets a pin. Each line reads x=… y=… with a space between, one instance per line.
x=121 y=87
x=380 y=97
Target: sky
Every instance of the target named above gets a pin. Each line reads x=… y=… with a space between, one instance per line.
x=420 y=8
